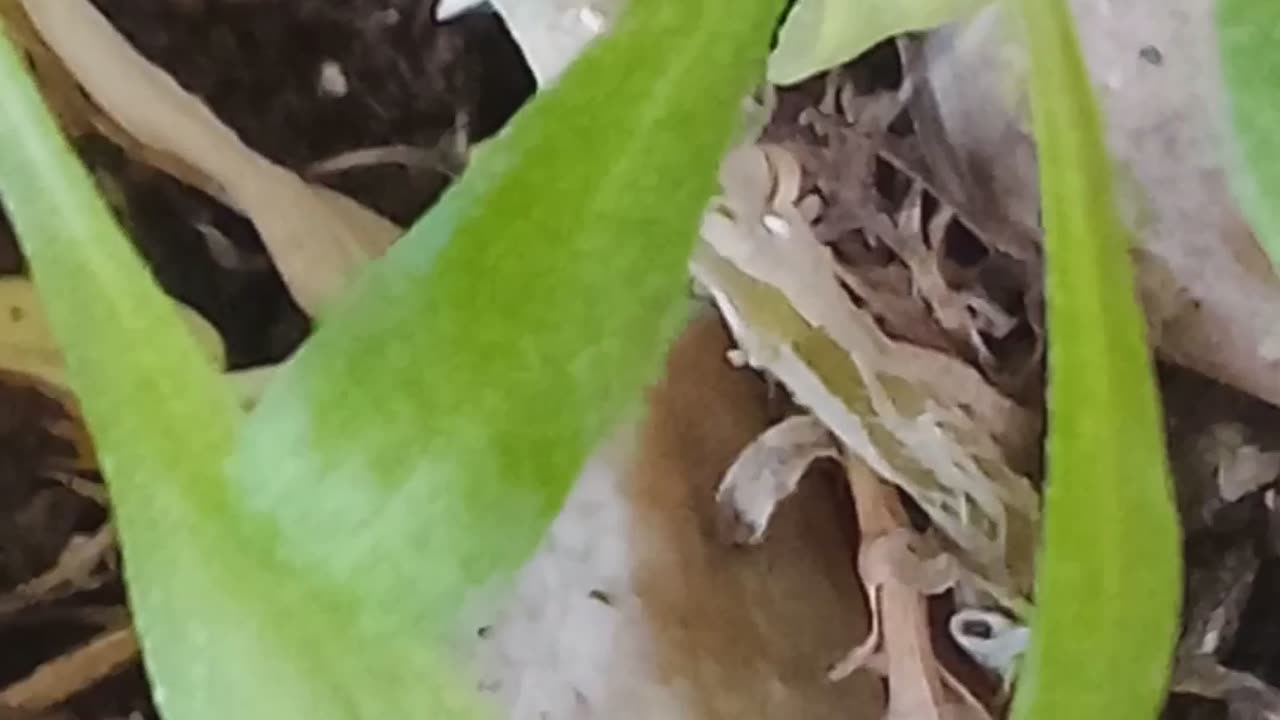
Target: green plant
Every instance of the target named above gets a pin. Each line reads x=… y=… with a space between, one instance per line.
x=1247 y=34
x=310 y=559
x=821 y=34
x=1108 y=578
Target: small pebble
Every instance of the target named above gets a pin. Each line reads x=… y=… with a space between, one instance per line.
x=332 y=82
x=777 y=225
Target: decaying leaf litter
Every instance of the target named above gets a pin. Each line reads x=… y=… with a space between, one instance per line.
x=937 y=289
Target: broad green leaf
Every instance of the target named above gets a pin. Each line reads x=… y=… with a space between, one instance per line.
x=447 y=407
x=821 y=34
x=1108 y=580
x=417 y=447
x=1249 y=33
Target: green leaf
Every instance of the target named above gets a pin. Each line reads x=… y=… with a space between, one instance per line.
x=1249 y=35
x=414 y=451
x=821 y=34
x=122 y=336
x=449 y=405
x=163 y=421
x=1108 y=581
x=27 y=345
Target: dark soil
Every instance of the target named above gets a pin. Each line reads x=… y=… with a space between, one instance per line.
x=259 y=64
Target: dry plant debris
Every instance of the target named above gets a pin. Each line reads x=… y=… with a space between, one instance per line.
x=768 y=471
x=924 y=420
x=898 y=582
x=48 y=488
x=318 y=238
x=59 y=679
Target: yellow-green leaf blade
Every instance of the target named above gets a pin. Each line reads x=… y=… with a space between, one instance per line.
x=455 y=397
x=821 y=34
x=1108 y=580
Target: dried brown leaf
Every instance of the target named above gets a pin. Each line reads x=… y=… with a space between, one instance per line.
x=76 y=112
x=898 y=582
x=889 y=218
x=777 y=287
x=317 y=237
x=768 y=471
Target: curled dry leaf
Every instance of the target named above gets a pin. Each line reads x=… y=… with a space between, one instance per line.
x=769 y=470
x=927 y=422
x=898 y=582
x=897 y=565
x=318 y=238
x=790 y=604
x=76 y=113
x=57 y=86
